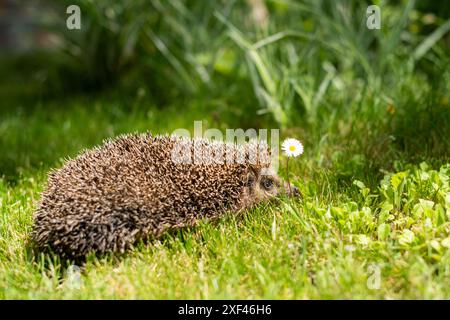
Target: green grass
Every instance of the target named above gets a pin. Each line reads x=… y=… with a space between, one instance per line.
x=371 y=107
x=324 y=245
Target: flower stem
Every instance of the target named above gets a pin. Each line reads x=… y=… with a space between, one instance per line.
x=287 y=175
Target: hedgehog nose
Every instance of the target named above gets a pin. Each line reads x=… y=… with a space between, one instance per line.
x=291 y=190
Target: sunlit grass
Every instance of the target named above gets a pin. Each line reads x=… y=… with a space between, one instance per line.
x=370 y=106
x=325 y=245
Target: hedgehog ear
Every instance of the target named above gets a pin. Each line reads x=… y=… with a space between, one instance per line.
x=253 y=174
x=252 y=177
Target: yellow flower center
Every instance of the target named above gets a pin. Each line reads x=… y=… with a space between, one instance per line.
x=292 y=148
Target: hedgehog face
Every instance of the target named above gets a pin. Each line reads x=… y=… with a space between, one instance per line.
x=262 y=187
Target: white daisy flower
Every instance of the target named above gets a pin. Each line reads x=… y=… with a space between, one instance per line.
x=292 y=147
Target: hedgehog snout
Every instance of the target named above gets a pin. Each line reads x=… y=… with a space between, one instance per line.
x=291 y=191
x=295 y=192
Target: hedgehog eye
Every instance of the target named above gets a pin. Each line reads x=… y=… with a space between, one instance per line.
x=267 y=184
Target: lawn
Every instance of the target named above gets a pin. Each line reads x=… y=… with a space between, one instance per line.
x=372 y=112
x=383 y=236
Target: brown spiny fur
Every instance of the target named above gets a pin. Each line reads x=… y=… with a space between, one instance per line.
x=129 y=189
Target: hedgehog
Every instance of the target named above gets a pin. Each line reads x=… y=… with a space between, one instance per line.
x=139 y=186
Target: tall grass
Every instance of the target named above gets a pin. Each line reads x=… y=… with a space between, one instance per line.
x=294 y=55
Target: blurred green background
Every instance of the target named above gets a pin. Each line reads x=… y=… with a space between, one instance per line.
x=311 y=68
